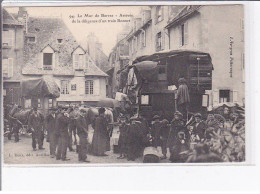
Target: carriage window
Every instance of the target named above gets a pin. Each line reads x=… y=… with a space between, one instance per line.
x=27 y=103
x=145 y=99
x=39 y=103
x=50 y=103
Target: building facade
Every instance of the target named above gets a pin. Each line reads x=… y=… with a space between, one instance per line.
x=217 y=30
x=12 y=57
x=50 y=50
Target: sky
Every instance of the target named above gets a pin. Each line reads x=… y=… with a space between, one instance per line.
x=105 y=32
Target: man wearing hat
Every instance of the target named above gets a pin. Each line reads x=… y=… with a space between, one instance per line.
x=199 y=127
x=61 y=126
x=53 y=140
x=101 y=139
x=35 y=124
x=82 y=130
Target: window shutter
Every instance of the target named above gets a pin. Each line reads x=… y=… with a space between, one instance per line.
x=180 y=36
x=186 y=33
x=96 y=86
x=53 y=60
x=235 y=96
x=144 y=38
x=10 y=67
x=215 y=97
x=40 y=65
x=162 y=40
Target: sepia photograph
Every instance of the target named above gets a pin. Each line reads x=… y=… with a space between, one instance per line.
x=128 y=84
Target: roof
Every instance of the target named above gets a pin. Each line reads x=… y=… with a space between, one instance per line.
x=94 y=70
x=166 y=54
x=9 y=19
x=184 y=14
x=47 y=31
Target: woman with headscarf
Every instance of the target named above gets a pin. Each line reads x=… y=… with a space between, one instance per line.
x=101 y=139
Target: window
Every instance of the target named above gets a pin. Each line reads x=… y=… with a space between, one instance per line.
x=159 y=41
x=162 y=74
x=59 y=40
x=184 y=34
x=65 y=86
x=47 y=60
x=7 y=68
x=50 y=103
x=159 y=13
x=73 y=87
x=8 y=37
x=31 y=39
x=89 y=87
x=27 y=103
x=39 y=103
x=242 y=29
x=78 y=61
x=224 y=96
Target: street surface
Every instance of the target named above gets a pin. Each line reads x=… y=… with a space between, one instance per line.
x=22 y=153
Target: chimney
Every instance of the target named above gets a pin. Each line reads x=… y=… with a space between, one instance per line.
x=23 y=17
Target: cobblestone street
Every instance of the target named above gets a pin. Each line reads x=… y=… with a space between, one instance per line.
x=22 y=153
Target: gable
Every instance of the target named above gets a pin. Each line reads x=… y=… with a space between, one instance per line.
x=48 y=49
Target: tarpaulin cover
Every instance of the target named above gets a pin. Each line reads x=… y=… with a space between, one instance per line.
x=42 y=87
x=147 y=70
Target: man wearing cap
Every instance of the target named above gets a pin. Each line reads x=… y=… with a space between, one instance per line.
x=155 y=130
x=82 y=130
x=53 y=140
x=61 y=125
x=199 y=127
x=101 y=139
x=35 y=124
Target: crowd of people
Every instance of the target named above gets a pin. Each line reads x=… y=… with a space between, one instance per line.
x=193 y=141
x=180 y=140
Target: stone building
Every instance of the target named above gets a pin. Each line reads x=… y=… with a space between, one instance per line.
x=12 y=56
x=49 y=49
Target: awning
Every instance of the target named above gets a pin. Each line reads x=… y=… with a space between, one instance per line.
x=43 y=87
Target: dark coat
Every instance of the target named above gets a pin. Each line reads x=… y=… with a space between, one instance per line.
x=101 y=139
x=176 y=127
x=200 y=129
x=82 y=126
x=50 y=123
x=35 y=121
x=61 y=125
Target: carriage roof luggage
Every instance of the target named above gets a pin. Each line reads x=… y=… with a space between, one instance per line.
x=42 y=87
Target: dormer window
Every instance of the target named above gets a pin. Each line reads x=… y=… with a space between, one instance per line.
x=79 y=56
x=59 y=40
x=48 y=58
